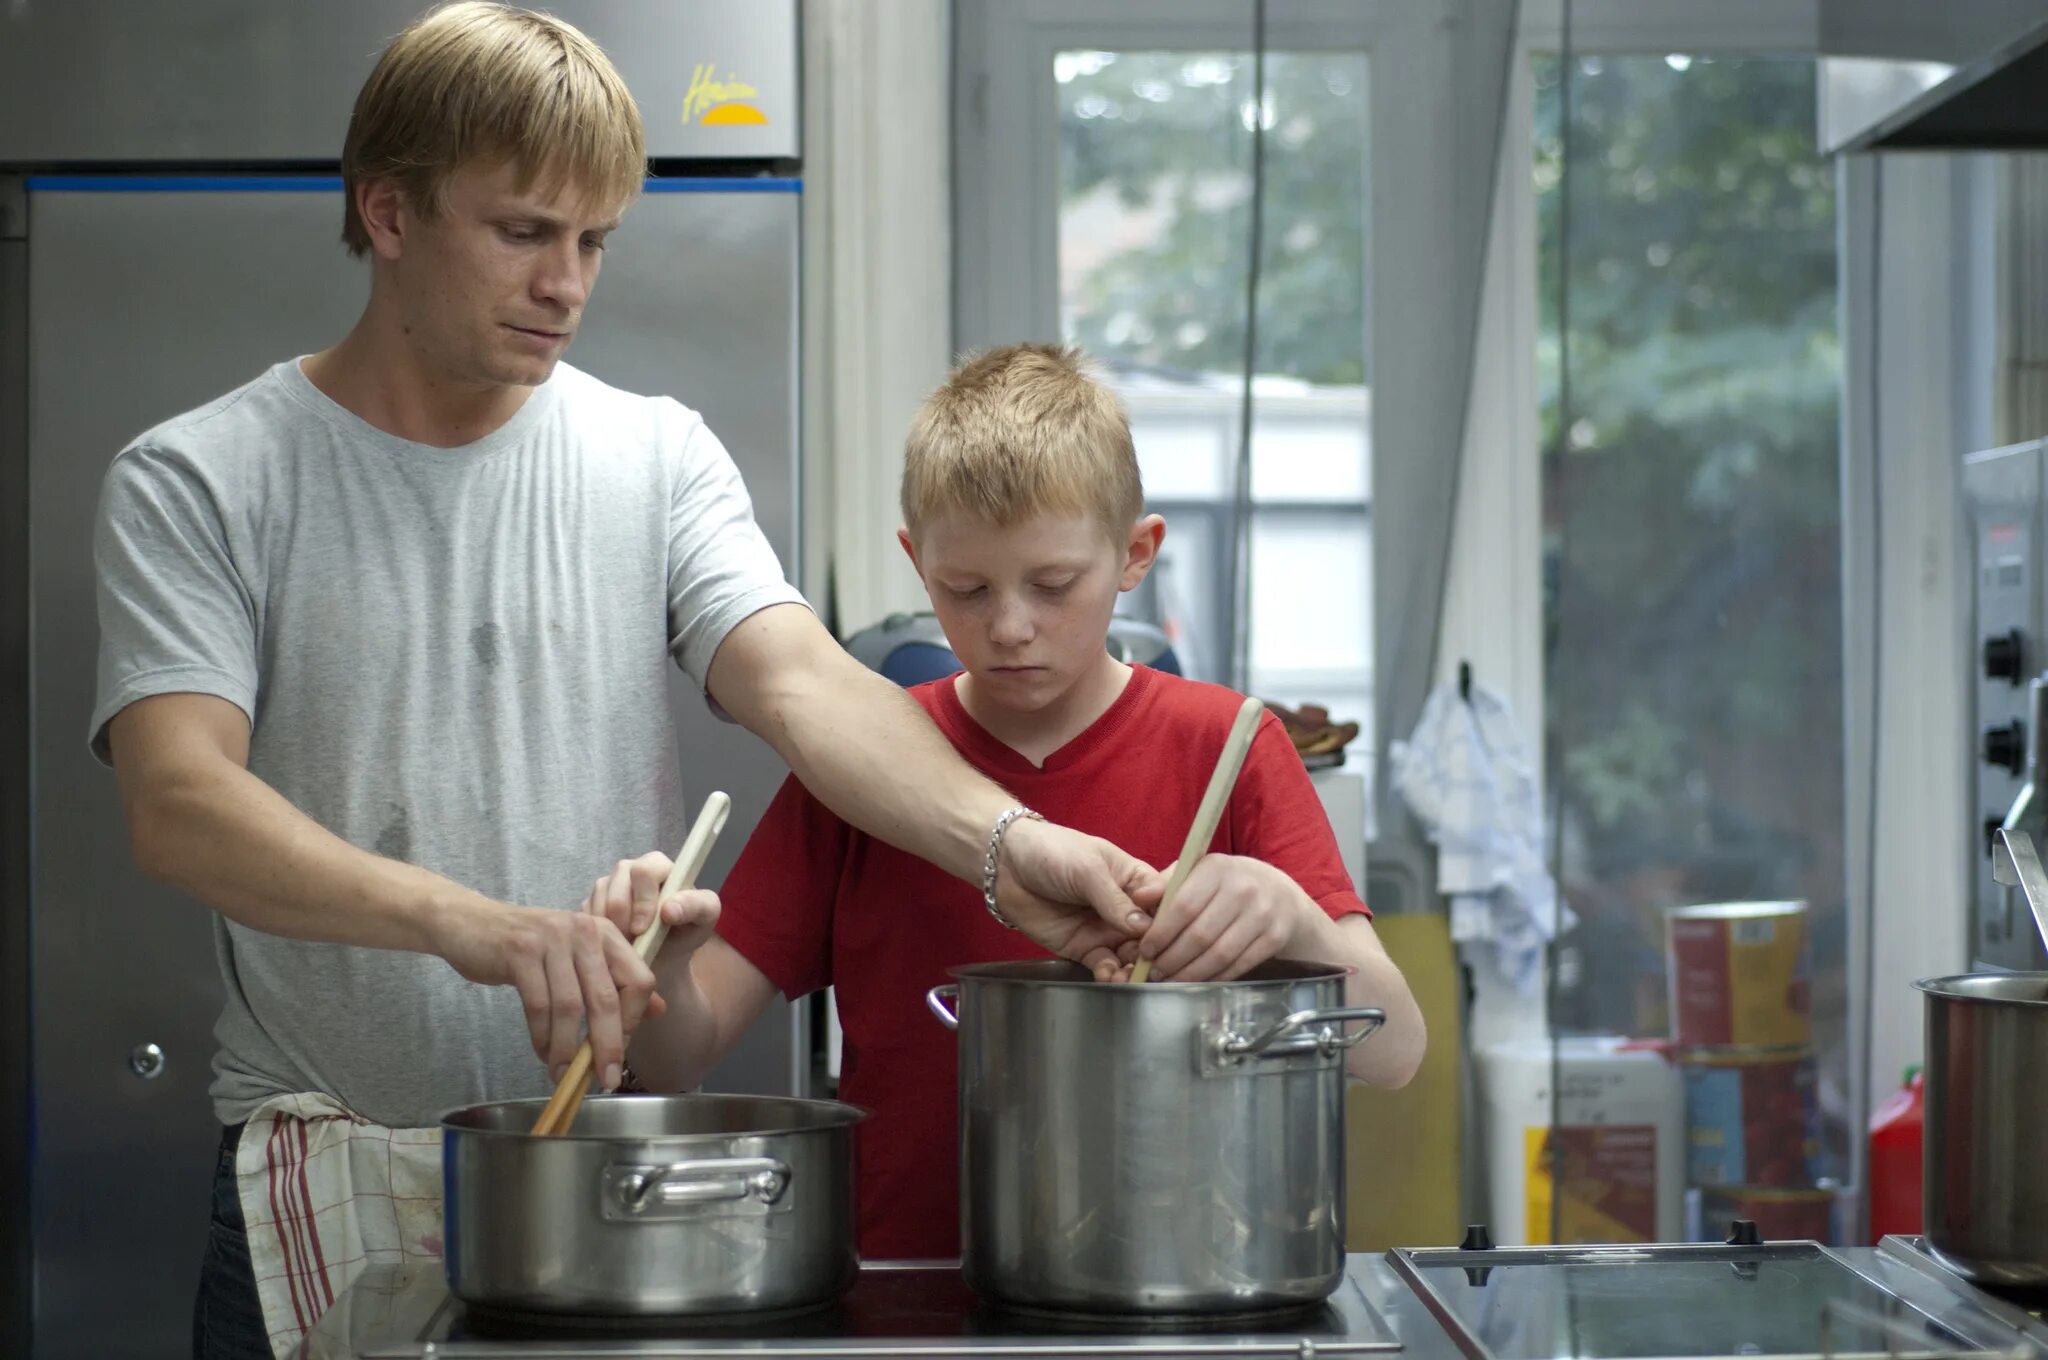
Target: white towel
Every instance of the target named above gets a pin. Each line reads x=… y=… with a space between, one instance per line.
x=325 y=1193
x=1465 y=775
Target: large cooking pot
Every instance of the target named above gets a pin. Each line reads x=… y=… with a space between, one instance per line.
x=652 y=1205
x=1985 y=1196
x=1160 y=1149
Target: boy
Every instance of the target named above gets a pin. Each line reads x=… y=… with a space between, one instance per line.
x=1022 y=514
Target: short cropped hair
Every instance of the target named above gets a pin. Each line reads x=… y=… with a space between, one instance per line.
x=1020 y=431
x=481 y=82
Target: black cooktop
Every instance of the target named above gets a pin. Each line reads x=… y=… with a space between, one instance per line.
x=904 y=1310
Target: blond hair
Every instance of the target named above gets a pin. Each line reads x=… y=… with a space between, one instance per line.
x=484 y=82
x=1020 y=431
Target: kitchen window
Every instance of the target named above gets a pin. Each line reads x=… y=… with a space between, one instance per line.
x=1689 y=370
x=1155 y=183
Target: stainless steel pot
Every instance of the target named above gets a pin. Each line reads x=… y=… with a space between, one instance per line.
x=1165 y=1148
x=653 y=1205
x=1985 y=1195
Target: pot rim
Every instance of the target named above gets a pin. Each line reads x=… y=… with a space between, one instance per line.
x=999 y=973
x=1945 y=988
x=838 y=1115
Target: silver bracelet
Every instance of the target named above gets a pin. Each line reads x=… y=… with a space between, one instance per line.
x=988 y=865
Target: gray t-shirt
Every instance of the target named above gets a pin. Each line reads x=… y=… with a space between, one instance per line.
x=454 y=657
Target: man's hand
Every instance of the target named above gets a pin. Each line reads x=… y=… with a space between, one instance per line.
x=1077 y=895
x=572 y=968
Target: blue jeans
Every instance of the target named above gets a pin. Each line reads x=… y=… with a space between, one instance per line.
x=227 y=1317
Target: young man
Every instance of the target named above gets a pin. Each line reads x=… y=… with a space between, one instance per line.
x=1023 y=515
x=384 y=638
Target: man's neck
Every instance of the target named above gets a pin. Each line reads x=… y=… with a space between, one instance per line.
x=378 y=377
x=1037 y=735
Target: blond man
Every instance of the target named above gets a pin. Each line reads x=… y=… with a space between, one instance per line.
x=1024 y=516
x=384 y=636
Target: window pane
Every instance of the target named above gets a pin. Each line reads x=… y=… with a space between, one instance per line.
x=1311 y=588
x=1692 y=527
x=1311 y=585
x=1155 y=224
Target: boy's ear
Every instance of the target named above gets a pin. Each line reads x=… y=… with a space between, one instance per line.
x=909 y=551
x=1142 y=552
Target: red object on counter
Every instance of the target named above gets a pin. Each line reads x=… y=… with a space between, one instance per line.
x=1896 y=1167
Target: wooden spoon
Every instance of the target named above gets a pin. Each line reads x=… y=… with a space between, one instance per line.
x=1210 y=812
x=575 y=1083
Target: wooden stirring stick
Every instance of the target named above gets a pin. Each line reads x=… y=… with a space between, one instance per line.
x=575 y=1083
x=1210 y=812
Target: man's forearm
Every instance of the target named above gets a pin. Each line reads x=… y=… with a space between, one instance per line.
x=867 y=751
x=227 y=838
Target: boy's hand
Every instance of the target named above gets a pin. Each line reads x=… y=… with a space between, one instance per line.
x=1231 y=915
x=627 y=897
x=630 y=894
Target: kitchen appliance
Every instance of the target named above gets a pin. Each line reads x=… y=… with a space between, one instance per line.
x=2002 y=493
x=1985 y=1191
x=1903 y=77
x=653 y=1204
x=1985 y=1195
x=1743 y=1298
x=169 y=223
x=1792 y=1299
x=894 y=1309
x=1168 y=1148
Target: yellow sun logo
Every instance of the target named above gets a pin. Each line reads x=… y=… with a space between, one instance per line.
x=712 y=102
x=733 y=113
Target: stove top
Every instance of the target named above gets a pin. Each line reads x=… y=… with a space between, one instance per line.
x=1792 y=1300
x=2030 y=1301
x=891 y=1310
x=1774 y=1301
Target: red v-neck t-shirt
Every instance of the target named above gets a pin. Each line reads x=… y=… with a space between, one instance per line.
x=812 y=902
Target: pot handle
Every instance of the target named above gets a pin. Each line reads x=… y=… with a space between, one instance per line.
x=746 y=1183
x=1291 y=1037
x=935 y=1000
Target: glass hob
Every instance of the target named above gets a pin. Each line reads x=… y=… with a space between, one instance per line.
x=1795 y=1300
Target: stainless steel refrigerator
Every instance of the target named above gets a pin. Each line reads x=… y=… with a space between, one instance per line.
x=169 y=223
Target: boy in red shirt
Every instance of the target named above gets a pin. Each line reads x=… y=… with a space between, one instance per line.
x=1023 y=516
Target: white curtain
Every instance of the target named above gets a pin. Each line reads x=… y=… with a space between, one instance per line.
x=877 y=288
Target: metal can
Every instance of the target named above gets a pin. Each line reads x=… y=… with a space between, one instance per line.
x=1737 y=974
x=1781 y=1213
x=1749 y=1116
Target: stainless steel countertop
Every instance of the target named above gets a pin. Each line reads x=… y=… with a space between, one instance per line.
x=393 y=1312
